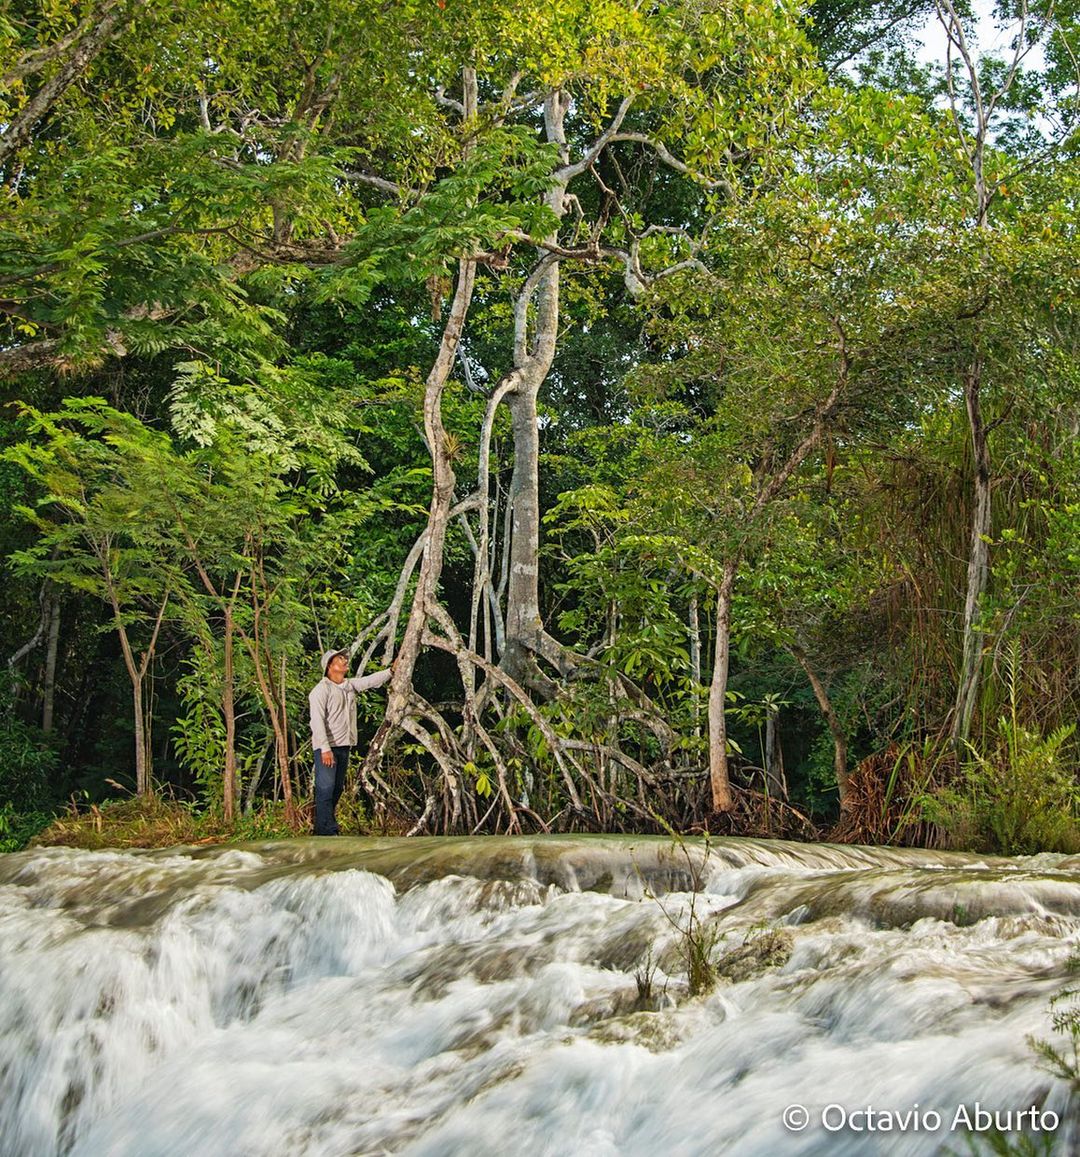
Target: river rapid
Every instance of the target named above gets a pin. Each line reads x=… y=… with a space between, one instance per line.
x=437 y=997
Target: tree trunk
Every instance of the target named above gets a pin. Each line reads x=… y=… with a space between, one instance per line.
x=695 y=657
x=525 y=634
x=281 y=734
x=833 y=721
x=137 y=674
x=523 y=622
x=51 y=649
x=142 y=762
x=442 y=494
x=281 y=753
x=978 y=570
x=273 y=706
x=228 y=709
x=775 y=780
x=255 y=780
x=95 y=32
x=722 y=799
x=261 y=654
x=718 y=762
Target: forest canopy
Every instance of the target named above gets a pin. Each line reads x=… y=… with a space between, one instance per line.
x=684 y=398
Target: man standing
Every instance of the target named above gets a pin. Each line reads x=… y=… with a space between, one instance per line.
x=333 y=732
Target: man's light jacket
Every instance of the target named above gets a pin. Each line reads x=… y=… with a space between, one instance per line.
x=333 y=709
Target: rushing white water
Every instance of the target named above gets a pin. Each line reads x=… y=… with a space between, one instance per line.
x=437 y=997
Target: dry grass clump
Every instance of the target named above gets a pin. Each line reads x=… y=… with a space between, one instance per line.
x=885 y=793
x=758 y=815
x=155 y=822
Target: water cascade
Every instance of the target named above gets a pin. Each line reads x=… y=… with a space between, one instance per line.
x=528 y=996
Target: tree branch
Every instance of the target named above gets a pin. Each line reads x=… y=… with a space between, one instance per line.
x=19 y=130
x=673 y=162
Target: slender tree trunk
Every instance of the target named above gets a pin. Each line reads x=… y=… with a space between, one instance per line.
x=718 y=761
x=142 y=763
x=978 y=570
x=442 y=494
x=261 y=653
x=695 y=656
x=774 y=756
x=483 y=593
x=833 y=721
x=281 y=753
x=525 y=633
x=42 y=627
x=228 y=709
x=273 y=710
x=973 y=131
x=137 y=673
x=255 y=780
x=722 y=799
x=523 y=622
x=51 y=649
x=281 y=731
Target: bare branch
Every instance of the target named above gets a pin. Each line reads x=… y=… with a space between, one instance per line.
x=28 y=357
x=521 y=306
x=673 y=162
x=1020 y=51
x=38 y=635
x=377 y=183
x=393 y=612
x=568 y=172
x=447 y=101
x=954 y=38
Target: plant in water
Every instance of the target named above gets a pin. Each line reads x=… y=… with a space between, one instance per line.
x=1059 y=1060
x=1002 y=1146
x=764 y=946
x=645 y=974
x=697 y=946
x=696 y=939
x=1063 y=1061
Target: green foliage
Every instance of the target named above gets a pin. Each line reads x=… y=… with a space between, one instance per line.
x=698 y=946
x=198 y=738
x=198 y=734
x=1019 y=797
x=246 y=518
x=1063 y=1061
x=239 y=222
x=18 y=828
x=495 y=190
x=28 y=765
x=266 y=822
x=481 y=777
